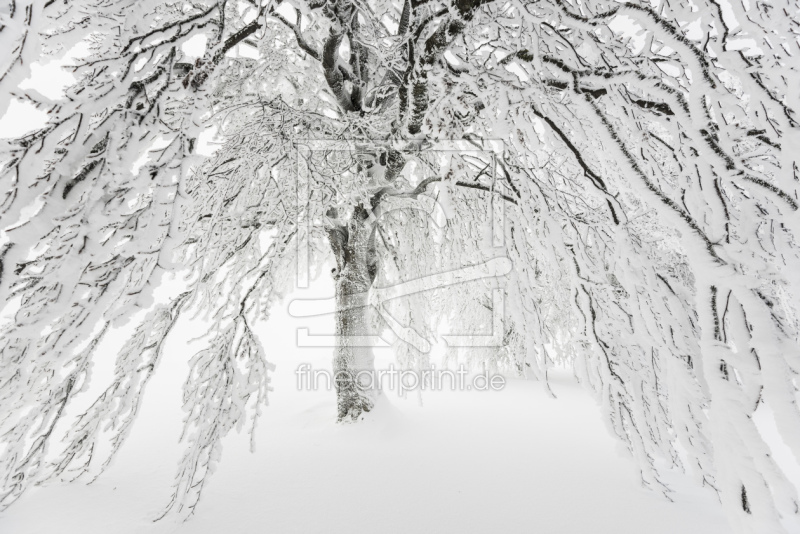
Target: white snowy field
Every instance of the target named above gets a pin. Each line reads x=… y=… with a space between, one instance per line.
x=511 y=461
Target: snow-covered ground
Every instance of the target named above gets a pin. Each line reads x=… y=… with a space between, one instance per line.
x=511 y=461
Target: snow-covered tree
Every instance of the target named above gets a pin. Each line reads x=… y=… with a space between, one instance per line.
x=648 y=175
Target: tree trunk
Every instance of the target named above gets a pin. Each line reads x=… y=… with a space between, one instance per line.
x=353 y=362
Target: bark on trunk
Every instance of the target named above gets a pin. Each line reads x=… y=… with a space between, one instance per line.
x=353 y=365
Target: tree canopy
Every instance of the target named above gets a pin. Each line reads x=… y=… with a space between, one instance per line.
x=647 y=171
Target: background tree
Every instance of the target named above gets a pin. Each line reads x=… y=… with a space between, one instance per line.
x=649 y=172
